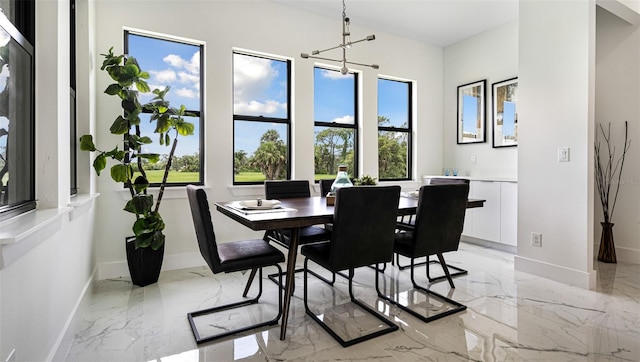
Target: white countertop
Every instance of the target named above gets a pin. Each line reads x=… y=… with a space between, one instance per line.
x=476 y=178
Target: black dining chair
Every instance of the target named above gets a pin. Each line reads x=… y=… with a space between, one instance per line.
x=229 y=257
x=363 y=232
x=288 y=189
x=325 y=186
x=437 y=229
x=410 y=224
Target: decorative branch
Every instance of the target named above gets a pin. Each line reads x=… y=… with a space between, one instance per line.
x=609 y=170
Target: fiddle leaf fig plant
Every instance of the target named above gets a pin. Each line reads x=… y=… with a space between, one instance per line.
x=130 y=81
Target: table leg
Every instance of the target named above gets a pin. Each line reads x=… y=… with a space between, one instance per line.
x=290 y=282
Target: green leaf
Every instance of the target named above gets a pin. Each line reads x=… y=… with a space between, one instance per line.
x=152 y=157
x=141 y=227
x=113 y=89
x=99 y=163
x=162 y=124
x=142 y=86
x=167 y=139
x=157 y=240
x=145 y=140
x=119 y=126
x=121 y=173
x=86 y=143
x=140 y=184
x=143 y=241
x=185 y=128
x=161 y=140
x=140 y=204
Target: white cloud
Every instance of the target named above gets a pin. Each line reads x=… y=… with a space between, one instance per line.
x=252 y=79
x=335 y=75
x=343 y=119
x=189 y=78
x=164 y=76
x=254 y=107
x=186 y=93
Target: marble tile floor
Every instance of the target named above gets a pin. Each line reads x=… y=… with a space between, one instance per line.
x=511 y=316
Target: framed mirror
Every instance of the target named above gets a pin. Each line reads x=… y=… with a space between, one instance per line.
x=471 y=112
x=505 y=113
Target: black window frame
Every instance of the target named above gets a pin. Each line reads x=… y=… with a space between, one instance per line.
x=263 y=119
x=356 y=117
x=196 y=114
x=22 y=31
x=408 y=131
x=73 y=111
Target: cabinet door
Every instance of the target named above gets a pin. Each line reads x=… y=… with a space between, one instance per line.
x=486 y=219
x=509 y=213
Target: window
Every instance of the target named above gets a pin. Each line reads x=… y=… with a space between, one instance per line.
x=73 y=150
x=176 y=64
x=394 y=129
x=17 y=100
x=336 y=127
x=261 y=119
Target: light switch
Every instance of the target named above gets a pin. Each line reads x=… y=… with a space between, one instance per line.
x=563 y=154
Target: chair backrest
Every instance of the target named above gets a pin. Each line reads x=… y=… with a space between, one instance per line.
x=364 y=222
x=440 y=218
x=447 y=181
x=204 y=227
x=286 y=189
x=325 y=186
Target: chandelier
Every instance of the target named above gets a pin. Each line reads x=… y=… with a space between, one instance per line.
x=346 y=44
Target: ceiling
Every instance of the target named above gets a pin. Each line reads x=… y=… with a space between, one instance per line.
x=435 y=22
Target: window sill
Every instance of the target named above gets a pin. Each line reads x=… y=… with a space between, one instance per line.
x=23 y=233
x=80 y=204
x=178 y=192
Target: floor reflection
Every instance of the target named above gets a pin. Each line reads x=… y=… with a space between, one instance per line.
x=509 y=316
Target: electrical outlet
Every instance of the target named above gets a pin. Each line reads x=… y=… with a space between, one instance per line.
x=12 y=356
x=536 y=240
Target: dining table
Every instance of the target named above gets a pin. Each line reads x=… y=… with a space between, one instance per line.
x=294 y=214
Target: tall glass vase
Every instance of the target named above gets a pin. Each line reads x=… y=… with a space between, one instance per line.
x=607 y=251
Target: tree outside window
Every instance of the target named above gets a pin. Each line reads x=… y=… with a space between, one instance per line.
x=335 y=115
x=176 y=64
x=261 y=107
x=394 y=129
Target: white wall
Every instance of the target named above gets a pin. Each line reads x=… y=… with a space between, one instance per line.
x=271 y=28
x=556 y=102
x=617 y=94
x=491 y=55
x=45 y=275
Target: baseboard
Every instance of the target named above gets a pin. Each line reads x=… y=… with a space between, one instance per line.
x=63 y=343
x=489 y=244
x=556 y=272
x=120 y=269
x=624 y=255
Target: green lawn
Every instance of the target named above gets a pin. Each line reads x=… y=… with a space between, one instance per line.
x=249 y=177
x=155 y=176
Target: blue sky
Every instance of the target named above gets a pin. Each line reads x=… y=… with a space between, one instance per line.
x=393 y=101
x=508 y=119
x=171 y=64
x=470 y=114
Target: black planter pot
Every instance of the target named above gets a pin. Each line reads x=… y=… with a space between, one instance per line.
x=144 y=263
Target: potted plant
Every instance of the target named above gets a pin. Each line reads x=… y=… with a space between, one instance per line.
x=365 y=180
x=145 y=249
x=608 y=173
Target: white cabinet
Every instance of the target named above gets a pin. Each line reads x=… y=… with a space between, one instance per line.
x=497 y=220
x=509 y=213
x=486 y=219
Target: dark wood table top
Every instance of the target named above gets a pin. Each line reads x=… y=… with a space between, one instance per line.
x=308 y=211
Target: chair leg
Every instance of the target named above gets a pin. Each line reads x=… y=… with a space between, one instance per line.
x=459 y=271
x=458 y=307
x=403 y=267
x=273 y=276
x=445 y=269
x=200 y=339
x=346 y=343
x=249 y=282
